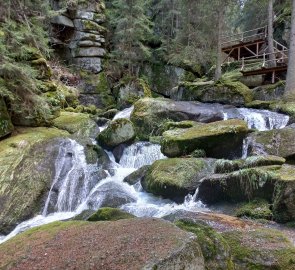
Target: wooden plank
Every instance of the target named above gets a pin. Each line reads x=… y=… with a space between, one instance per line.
x=241 y=44
x=261 y=71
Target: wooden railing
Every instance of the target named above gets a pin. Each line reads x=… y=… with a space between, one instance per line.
x=281 y=59
x=254 y=34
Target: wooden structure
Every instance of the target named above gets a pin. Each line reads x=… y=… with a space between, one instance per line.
x=250 y=50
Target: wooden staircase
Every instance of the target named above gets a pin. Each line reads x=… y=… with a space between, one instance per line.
x=250 y=51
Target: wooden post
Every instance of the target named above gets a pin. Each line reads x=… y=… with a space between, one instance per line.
x=243 y=63
x=273 y=77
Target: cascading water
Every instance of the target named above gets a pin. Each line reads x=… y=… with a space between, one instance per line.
x=263 y=119
x=76 y=187
x=258 y=119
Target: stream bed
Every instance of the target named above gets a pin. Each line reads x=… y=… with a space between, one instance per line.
x=80 y=189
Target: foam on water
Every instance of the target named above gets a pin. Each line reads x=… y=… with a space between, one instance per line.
x=75 y=187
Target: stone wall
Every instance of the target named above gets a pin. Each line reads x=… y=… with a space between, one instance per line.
x=78 y=32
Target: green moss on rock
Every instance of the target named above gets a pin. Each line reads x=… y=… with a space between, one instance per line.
x=118 y=131
x=78 y=124
x=27 y=169
x=215 y=249
x=272 y=251
x=224 y=91
x=176 y=177
x=255 y=209
x=217 y=139
x=226 y=166
x=109 y=214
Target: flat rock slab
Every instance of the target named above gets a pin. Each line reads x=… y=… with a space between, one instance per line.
x=220 y=139
x=124 y=244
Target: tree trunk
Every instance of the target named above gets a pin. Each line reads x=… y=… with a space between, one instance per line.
x=290 y=82
x=219 y=40
x=271 y=51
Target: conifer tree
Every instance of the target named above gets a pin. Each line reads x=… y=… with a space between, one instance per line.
x=132 y=32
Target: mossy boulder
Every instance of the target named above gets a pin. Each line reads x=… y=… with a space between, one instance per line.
x=275 y=184
x=219 y=139
x=78 y=124
x=27 y=169
x=260 y=249
x=118 y=131
x=255 y=209
x=269 y=92
x=287 y=107
x=150 y=115
x=280 y=142
x=216 y=250
x=238 y=186
x=226 y=166
x=109 y=214
x=284 y=194
x=41 y=114
x=231 y=243
x=6 y=126
x=174 y=178
x=123 y=244
x=223 y=91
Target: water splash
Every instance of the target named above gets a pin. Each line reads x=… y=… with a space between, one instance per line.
x=140 y=154
x=73 y=175
x=126 y=113
x=263 y=119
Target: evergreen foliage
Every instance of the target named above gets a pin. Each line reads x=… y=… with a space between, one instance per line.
x=23 y=38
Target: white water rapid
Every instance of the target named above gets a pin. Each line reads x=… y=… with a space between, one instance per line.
x=261 y=120
x=78 y=186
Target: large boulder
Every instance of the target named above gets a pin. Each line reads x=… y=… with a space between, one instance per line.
x=27 y=169
x=78 y=124
x=231 y=243
x=174 y=178
x=226 y=92
x=149 y=115
x=275 y=184
x=221 y=139
x=6 y=126
x=284 y=194
x=269 y=92
x=226 y=166
x=118 y=131
x=279 y=142
x=237 y=186
x=123 y=244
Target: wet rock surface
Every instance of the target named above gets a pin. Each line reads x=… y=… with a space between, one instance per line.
x=124 y=244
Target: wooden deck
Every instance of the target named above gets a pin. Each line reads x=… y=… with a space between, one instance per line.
x=250 y=50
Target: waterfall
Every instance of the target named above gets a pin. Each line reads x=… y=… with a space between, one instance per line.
x=126 y=113
x=76 y=185
x=140 y=154
x=263 y=119
x=74 y=176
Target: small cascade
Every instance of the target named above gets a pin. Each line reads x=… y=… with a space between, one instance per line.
x=126 y=113
x=263 y=119
x=73 y=178
x=140 y=154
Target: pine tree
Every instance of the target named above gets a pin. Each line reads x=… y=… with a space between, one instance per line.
x=132 y=32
